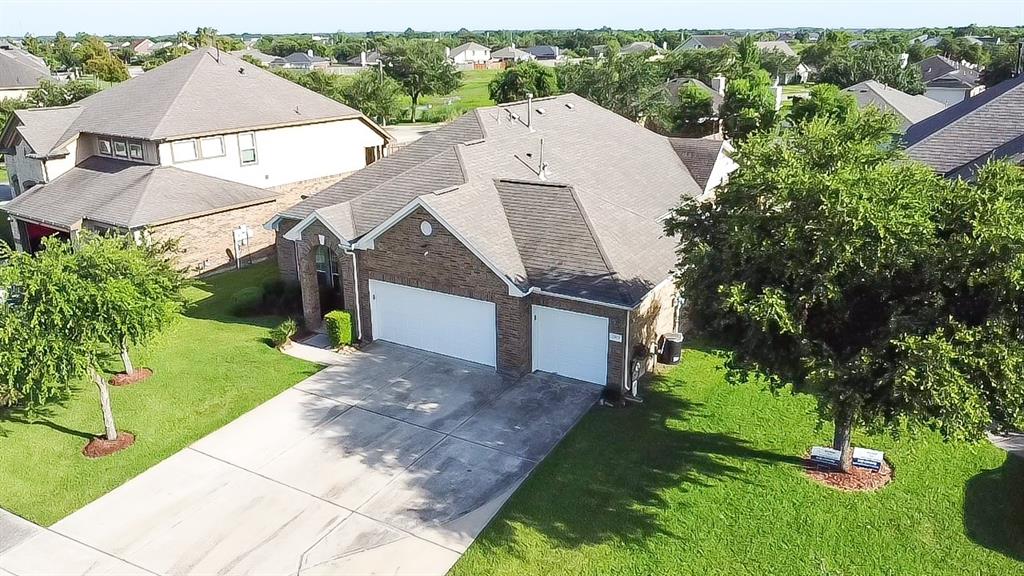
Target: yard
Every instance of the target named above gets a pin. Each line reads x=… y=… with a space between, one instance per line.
x=209 y=368
x=473 y=94
x=705 y=478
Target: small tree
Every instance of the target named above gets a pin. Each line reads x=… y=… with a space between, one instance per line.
x=824 y=101
x=422 y=69
x=748 y=56
x=375 y=94
x=694 y=113
x=832 y=263
x=748 y=106
x=50 y=93
x=524 y=78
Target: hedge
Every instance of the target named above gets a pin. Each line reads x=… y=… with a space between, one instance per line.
x=339 y=327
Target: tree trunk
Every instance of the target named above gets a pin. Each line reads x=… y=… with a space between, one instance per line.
x=108 y=413
x=126 y=359
x=843 y=437
x=412 y=110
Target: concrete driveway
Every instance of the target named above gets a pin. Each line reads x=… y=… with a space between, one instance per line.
x=390 y=463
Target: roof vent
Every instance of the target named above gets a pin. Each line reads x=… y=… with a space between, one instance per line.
x=540 y=111
x=570 y=105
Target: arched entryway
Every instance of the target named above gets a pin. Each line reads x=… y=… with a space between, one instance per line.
x=328 y=280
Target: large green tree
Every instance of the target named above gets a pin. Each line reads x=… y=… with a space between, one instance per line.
x=422 y=69
x=824 y=100
x=516 y=82
x=693 y=113
x=375 y=94
x=854 y=66
x=50 y=93
x=1002 y=65
x=748 y=105
x=627 y=84
x=831 y=262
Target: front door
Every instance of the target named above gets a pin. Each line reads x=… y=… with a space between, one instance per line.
x=328 y=281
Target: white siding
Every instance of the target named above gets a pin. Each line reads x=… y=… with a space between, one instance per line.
x=57 y=166
x=286 y=155
x=472 y=56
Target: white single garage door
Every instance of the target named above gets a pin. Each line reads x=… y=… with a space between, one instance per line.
x=450 y=325
x=570 y=344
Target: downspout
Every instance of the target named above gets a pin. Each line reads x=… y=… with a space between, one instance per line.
x=626 y=371
x=355 y=279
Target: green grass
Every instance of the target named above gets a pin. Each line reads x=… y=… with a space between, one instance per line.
x=704 y=478
x=795 y=89
x=3 y=175
x=471 y=95
x=209 y=368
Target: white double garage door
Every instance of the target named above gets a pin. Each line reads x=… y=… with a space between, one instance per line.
x=566 y=343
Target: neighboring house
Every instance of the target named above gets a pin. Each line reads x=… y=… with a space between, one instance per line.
x=776 y=46
x=301 y=61
x=194 y=149
x=984 y=40
x=512 y=54
x=709 y=161
x=959 y=139
x=909 y=109
x=364 y=59
x=947 y=81
x=469 y=53
x=800 y=74
x=545 y=52
x=261 y=57
x=521 y=240
x=642 y=48
x=705 y=42
x=20 y=72
x=142 y=46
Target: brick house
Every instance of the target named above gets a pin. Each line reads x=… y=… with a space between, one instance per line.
x=525 y=236
x=203 y=149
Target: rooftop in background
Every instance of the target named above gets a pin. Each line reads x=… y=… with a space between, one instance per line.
x=776 y=46
x=909 y=109
x=939 y=71
x=966 y=135
x=19 y=69
x=674 y=85
x=204 y=92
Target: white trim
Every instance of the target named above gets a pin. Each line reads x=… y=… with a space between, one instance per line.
x=578 y=299
x=296 y=232
x=366 y=242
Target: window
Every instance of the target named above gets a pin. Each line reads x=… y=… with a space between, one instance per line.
x=212 y=147
x=247 y=148
x=120 y=149
x=135 y=151
x=105 y=148
x=184 y=150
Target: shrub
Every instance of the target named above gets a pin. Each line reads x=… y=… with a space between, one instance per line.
x=281 y=298
x=339 y=327
x=283 y=332
x=246 y=301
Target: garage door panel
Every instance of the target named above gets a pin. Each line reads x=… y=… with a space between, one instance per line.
x=570 y=344
x=433 y=321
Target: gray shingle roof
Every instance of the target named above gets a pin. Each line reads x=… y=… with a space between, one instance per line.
x=302 y=58
x=969 y=130
x=699 y=155
x=43 y=128
x=204 y=92
x=910 y=109
x=130 y=195
x=712 y=41
x=939 y=71
x=467 y=46
x=776 y=46
x=640 y=47
x=674 y=85
x=623 y=179
x=19 y=69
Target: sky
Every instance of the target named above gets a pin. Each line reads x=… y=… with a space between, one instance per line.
x=158 y=17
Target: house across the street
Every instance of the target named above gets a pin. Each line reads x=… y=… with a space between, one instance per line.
x=301 y=61
x=469 y=53
x=960 y=139
x=705 y=42
x=909 y=109
x=947 y=81
x=20 y=72
x=204 y=148
x=525 y=236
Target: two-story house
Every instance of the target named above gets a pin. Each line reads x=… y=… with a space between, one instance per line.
x=203 y=149
x=469 y=53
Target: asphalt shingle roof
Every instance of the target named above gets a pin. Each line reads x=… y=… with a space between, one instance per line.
x=969 y=130
x=19 y=69
x=699 y=155
x=712 y=41
x=481 y=174
x=776 y=46
x=467 y=46
x=910 y=109
x=204 y=92
x=674 y=85
x=130 y=195
x=939 y=71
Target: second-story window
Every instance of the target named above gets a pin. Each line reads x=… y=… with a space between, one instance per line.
x=105 y=148
x=184 y=150
x=120 y=149
x=212 y=147
x=135 y=151
x=247 y=148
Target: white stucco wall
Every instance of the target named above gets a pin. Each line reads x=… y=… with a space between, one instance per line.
x=720 y=172
x=472 y=56
x=291 y=154
x=57 y=166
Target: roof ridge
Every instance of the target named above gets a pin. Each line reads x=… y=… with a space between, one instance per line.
x=181 y=88
x=597 y=242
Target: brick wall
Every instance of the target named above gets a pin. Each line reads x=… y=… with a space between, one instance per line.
x=208 y=242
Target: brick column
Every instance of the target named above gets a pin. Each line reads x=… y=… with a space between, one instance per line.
x=310 y=288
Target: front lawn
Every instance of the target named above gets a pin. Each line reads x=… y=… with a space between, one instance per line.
x=473 y=94
x=705 y=478
x=209 y=368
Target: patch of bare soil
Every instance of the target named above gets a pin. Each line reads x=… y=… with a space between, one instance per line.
x=100 y=446
x=122 y=379
x=858 y=480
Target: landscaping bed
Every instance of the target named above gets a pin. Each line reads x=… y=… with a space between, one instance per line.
x=208 y=369
x=707 y=478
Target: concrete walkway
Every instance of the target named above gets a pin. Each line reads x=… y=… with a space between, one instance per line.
x=1012 y=443
x=389 y=461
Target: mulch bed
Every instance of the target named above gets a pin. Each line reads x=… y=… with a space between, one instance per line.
x=858 y=480
x=122 y=379
x=100 y=446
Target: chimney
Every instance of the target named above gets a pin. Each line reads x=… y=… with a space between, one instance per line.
x=309 y=53
x=718 y=84
x=447 y=52
x=904 y=60
x=362 y=58
x=778 y=97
